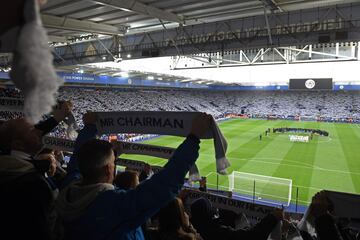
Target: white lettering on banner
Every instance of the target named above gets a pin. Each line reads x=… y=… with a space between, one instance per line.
x=75 y=77
x=254 y=212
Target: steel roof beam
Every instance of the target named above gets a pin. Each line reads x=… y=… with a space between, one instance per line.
x=140 y=8
x=80 y=25
x=271 y=4
x=53 y=38
x=58 y=5
x=293 y=6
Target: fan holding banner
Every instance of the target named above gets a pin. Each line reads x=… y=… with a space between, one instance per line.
x=122 y=212
x=163 y=123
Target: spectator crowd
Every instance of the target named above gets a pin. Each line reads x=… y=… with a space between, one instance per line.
x=88 y=200
x=312 y=105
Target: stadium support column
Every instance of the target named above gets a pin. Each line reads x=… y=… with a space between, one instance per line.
x=254 y=193
x=354 y=46
x=268 y=26
x=117 y=45
x=297 y=197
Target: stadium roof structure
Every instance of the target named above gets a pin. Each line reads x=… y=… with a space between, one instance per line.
x=108 y=70
x=97 y=36
x=66 y=19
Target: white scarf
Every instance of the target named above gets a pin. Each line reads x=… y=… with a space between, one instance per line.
x=32 y=68
x=164 y=123
x=17 y=105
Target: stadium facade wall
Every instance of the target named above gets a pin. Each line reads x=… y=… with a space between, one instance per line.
x=88 y=79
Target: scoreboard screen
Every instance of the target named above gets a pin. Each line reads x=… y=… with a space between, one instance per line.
x=311 y=84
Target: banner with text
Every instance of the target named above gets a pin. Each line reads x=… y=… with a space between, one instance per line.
x=136 y=165
x=11 y=104
x=254 y=212
x=127 y=148
x=17 y=105
x=164 y=123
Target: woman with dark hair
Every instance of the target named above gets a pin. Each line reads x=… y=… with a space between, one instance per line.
x=174 y=223
x=202 y=218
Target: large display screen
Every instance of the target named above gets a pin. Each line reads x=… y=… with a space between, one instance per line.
x=311 y=84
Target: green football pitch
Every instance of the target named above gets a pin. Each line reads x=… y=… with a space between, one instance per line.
x=331 y=163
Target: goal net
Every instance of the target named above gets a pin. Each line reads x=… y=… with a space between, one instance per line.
x=261 y=188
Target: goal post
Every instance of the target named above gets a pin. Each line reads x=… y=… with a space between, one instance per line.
x=261 y=188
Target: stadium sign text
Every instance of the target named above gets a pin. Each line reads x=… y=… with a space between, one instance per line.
x=78 y=77
x=254 y=212
x=305 y=27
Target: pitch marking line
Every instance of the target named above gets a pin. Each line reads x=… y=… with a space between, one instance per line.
x=296 y=165
x=162 y=161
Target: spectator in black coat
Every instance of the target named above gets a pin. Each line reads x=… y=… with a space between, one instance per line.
x=320 y=210
x=27 y=198
x=44 y=127
x=202 y=218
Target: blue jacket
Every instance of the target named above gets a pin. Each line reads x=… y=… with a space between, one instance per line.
x=88 y=132
x=118 y=214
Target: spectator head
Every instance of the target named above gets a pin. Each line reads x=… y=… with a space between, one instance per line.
x=173 y=217
x=202 y=215
x=202 y=183
x=202 y=207
x=202 y=180
x=127 y=180
x=96 y=161
x=145 y=173
x=321 y=204
x=18 y=134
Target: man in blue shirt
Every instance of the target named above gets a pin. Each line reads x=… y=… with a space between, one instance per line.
x=92 y=208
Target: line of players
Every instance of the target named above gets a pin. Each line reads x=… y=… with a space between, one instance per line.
x=267 y=132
